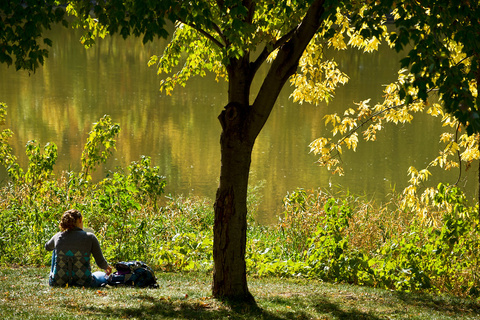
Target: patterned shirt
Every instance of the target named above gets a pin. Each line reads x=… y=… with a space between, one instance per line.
x=71 y=258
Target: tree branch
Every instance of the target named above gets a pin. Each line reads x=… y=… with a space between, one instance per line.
x=220 y=34
x=250 y=5
x=208 y=35
x=291 y=48
x=387 y=109
x=266 y=51
x=351 y=132
x=459 y=156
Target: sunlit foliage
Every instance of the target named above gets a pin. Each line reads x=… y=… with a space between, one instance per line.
x=236 y=38
x=441 y=81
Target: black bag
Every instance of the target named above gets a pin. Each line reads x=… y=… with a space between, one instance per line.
x=134 y=274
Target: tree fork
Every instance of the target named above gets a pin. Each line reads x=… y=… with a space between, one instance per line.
x=241 y=123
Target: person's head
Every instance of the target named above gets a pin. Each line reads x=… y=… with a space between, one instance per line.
x=70 y=219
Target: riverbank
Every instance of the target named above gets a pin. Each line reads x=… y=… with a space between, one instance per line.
x=322 y=236
x=25 y=294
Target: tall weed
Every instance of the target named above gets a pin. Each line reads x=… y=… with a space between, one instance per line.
x=322 y=234
x=388 y=246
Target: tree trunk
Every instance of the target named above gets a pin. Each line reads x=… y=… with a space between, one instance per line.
x=241 y=124
x=230 y=227
x=477 y=77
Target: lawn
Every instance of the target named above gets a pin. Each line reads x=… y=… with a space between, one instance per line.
x=25 y=294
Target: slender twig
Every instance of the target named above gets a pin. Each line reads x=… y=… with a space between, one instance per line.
x=394 y=107
x=208 y=35
x=351 y=132
x=458 y=154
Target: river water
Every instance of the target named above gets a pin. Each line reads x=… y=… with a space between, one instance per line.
x=76 y=87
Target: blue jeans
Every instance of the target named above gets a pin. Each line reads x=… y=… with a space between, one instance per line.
x=99 y=279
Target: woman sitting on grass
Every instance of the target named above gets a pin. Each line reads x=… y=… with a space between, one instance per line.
x=72 y=247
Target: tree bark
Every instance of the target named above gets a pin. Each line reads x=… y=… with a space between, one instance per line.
x=230 y=226
x=477 y=76
x=241 y=124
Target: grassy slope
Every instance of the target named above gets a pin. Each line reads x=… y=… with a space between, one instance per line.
x=25 y=294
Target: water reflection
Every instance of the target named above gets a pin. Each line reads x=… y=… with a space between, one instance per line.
x=181 y=132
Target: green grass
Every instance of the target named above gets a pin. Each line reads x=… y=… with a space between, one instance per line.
x=25 y=294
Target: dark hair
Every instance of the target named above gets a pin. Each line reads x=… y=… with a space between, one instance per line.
x=69 y=219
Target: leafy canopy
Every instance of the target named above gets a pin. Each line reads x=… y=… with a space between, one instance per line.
x=439 y=77
x=443 y=53
x=209 y=35
x=440 y=41
x=22 y=28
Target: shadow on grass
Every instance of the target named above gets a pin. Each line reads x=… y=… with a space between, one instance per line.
x=441 y=303
x=324 y=306
x=164 y=309
x=285 y=302
x=159 y=308
x=305 y=306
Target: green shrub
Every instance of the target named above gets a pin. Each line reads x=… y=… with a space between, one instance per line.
x=336 y=238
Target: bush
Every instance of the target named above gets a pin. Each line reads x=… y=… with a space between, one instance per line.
x=321 y=237
x=337 y=238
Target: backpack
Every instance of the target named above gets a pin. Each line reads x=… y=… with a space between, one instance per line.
x=134 y=274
